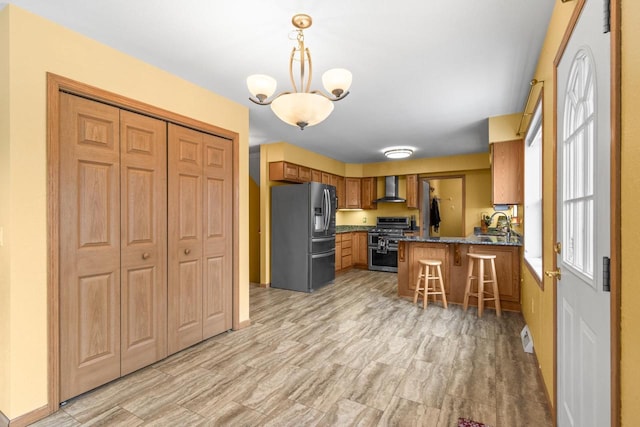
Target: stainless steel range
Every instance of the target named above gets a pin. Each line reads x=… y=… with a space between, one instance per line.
x=383 y=242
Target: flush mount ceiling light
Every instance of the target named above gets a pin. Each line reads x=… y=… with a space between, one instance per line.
x=302 y=107
x=398 y=152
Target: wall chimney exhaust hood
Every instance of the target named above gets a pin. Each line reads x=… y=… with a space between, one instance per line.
x=391 y=191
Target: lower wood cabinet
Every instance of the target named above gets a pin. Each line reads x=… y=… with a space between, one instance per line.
x=345 y=244
x=338 y=252
x=351 y=250
x=507 y=269
x=433 y=251
x=454 y=269
x=359 y=249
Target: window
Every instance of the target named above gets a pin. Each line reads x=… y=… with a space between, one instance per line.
x=578 y=146
x=533 y=194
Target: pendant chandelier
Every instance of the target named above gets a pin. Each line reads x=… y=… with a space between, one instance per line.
x=302 y=107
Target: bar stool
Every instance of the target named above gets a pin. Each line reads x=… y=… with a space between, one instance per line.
x=429 y=270
x=481 y=279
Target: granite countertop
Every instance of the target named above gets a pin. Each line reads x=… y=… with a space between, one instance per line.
x=350 y=228
x=469 y=240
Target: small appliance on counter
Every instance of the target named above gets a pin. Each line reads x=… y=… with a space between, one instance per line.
x=303 y=236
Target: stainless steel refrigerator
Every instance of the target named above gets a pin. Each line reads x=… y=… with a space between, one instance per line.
x=303 y=236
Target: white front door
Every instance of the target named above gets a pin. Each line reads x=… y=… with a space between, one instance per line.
x=583 y=147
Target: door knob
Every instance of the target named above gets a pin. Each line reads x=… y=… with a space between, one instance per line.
x=554 y=273
x=187 y=251
x=146 y=255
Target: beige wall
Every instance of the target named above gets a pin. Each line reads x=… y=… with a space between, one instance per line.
x=37 y=46
x=505 y=128
x=538 y=305
x=5 y=295
x=630 y=375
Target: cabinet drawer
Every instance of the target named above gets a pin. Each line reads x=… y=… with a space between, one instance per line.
x=346 y=251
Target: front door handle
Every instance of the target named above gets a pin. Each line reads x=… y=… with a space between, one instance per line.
x=554 y=273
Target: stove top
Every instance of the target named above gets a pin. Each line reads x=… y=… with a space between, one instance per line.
x=397 y=231
x=391 y=225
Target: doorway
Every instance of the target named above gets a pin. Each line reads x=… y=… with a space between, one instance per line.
x=583 y=249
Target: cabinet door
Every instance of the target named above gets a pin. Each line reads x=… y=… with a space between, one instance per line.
x=326 y=178
x=340 y=192
x=368 y=187
x=412 y=191
x=304 y=174
x=316 y=175
x=283 y=171
x=185 y=238
x=507 y=269
x=436 y=251
x=359 y=248
x=217 y=236
x=352 y=186
x=89 y=245
x=507 y=172
x=143 y=199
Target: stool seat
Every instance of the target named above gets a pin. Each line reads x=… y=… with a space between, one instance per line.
x=481 y=280
x=429 y=271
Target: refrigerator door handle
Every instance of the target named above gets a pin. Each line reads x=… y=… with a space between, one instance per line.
x=327 y=208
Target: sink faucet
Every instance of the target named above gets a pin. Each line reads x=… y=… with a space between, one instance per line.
x=508 y=228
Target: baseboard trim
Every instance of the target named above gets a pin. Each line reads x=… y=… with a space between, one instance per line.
x=244 y=324
x=265 y=285
x=544 y=386
x=28 y=418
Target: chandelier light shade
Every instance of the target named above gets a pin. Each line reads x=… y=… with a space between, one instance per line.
x=398 y=153
x=301 y=107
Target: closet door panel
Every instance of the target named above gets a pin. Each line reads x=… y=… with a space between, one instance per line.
x=185 y=165
x=217 y=298
x=144 y=239
x=89 y=245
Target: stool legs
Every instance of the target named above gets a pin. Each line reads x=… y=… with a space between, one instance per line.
x=431 y=277
x=480 y=281
x=444 y=296
x=496 y=292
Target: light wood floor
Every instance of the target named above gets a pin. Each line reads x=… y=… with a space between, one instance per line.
x=352 y=353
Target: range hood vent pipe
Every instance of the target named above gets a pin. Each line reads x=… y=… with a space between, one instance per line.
x=391 y=191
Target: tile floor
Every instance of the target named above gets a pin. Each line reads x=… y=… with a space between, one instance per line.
x=352 y=353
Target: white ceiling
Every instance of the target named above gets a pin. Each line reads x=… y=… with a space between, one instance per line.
x=426 y=74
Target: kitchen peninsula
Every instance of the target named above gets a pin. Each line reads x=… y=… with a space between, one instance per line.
x=452 y=251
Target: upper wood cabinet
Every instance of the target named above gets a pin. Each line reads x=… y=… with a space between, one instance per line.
x=368 y=190
x=507 y=172
x=412 y=191
x=316 y=175
x=304 y=173
x=352 y=186
x=325 y=178
x=284 y=171
x=340 y=192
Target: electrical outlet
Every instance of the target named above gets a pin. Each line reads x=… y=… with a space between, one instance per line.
x=364 y=219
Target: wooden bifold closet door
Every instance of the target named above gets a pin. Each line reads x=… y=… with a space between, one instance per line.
x=113 y=239
x=200 y=236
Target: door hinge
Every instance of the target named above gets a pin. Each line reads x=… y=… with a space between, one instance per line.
x=606 y=17
x=606 y=274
